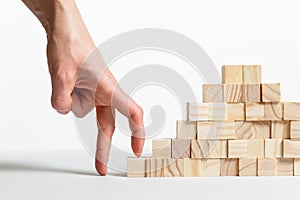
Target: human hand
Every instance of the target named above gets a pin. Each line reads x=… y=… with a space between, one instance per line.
x=80 y=78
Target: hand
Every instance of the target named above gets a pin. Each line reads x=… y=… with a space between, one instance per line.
x=80 y=78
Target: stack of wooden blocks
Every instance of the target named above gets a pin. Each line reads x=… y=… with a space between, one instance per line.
x=240 y=129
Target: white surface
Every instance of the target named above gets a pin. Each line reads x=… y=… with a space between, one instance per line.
x=233 y=31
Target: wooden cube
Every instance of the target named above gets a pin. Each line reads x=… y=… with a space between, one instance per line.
x=197 y=111
x=266 y=167
x=156 y=167
x=244 y=130
x=225 y=130
x=192 y=167
x=229 y=167
x=295 y=130
x=273 y=111
x=256 y=148
x=161 y=148
x=252 y=74
x=148 y=167
x=296 y=166
x=232 y=93
x=136 y=167
x=235 y=111
x=232 y=74
x=262 y=129
x=172 y=167
x=284 y=167
x=248 y=167
x=270 y=92
x=215 y=130
x=186 y=129
x=211 y=167
x=255 y=111
x=181 y=148
x=209 y=149
x=251 y=93
x=273 y=148
x=237 y=148
x=291 y=149
x=291 y=111
x=212 y=93
x=280 y=129
x=217 y=111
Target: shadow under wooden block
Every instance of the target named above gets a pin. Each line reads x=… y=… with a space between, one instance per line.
x=296 y=166
x=270 y=92
x=291 y=149
x=237 y=148
x=291 y=111
x=248 y=167
x=211 y=167
x=197 y=111
x=256 y=148
x=229 y=167
x=232 y=74
x=215 y=130
x=262 y=129
x=136 y=167
x=212 y=93
x=181 y=148
x=273 y=111
x=161 y=148
x=209 y=149
x=273 y=148
x=235 y=111
x=251 y=93
x=284 y=167
x=192 y=167
x=266 y=167
x=255 y=111
x=186 y=129
x=252 y=74
x=280 y=129
x=295 y=130
x=244 y=130
x=232 y=93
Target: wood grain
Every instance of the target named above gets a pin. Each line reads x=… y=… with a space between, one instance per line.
x=186 y=129
x=291 y=149
x=252 y=74
x=273 y=148
x=270 y=92
x=209 y=149
x=266 y=167
x=256 y=148
x=280 y=129
x=247 y=166
x=235 y=111
x=255 y=111
x=295 y=130
x=251 y=93
x=284 y=167
x=229 y=167
x=211 y=167
x=273 y=111
x=161 y=148
x=212 y=93
x=291 y=111
x=232 y=74
x=237 y=148
x=232 y=93
x=192 y=167
x=136 y=167
x=181 y=148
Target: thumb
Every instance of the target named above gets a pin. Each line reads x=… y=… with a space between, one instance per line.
x=62 y=87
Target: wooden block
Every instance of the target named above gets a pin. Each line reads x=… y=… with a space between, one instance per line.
x=232 y=93
x=237 y=148
x=172 y=167
x=255 y=111
x=229 y=167
x=156 y=166
x=192 y=167
x=256 y=148
x=197 y=111
x=161 y=148
x=209 y=149
x=291 y=149
x=235 y=111
x=212 y=93
x=280 y=129
x=291 y=111
x=295 y=130
x=252 y=74
x=273 y=148
x=296 y=167
x=244 y=130
x=211 y=167
x=148 y=167
x=262 y=129
x=270 y=92
x=251 y=93
x=232 y=74
x=284 y=167
x=136 y=167
x=247 y=166
x=273 y=111
x=266 y=167
x=217 y=111
x=186 y=129
x=215 y=130
x=181 y=148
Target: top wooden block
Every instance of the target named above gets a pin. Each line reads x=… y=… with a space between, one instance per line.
x=239 y=74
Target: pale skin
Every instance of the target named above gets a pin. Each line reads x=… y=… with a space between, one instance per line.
x=69 y=45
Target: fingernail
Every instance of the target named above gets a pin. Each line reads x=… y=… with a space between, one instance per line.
x=63 y=112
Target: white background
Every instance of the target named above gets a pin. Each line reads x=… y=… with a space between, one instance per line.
x=231 y=32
